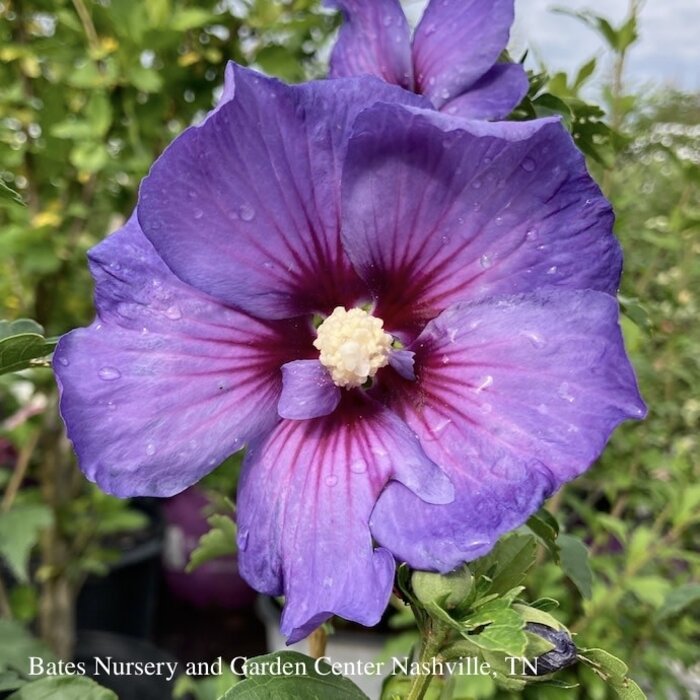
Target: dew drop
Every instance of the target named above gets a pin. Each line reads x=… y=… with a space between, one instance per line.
x=486 y=408
x=63 y=361
x=173 y=313
x=150 y=449
x=476 y=184
x=486 y=382
x=242 y=539
x=246 y=212
x=111 y=405
x=109 y=374
x=485 y=261
x=531 y=234
x=331 y=480
x=529 y=165
x=552 y=270
x=564 y=392
x=359 y=466
x=535 y=338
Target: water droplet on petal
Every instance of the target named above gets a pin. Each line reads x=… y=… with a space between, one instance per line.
x=476 y=184
x=565 y=393
x=173 y=313
x=359 y=466
x=535 y=338
x=150 y=449
x=485 y=261
x=531 y=234
x=242 y=538
x=246 y=212
x=109 y=374
x=63 y=361
x=552 y=270
x=111 y=405
x=198 y=214
x=486 y=382
x=331 y=480
x=529 y=165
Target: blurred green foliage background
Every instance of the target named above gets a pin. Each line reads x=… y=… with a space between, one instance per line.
x=92 y=91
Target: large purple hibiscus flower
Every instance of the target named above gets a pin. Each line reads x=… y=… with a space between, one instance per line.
x=453 y=58
x=408 y=319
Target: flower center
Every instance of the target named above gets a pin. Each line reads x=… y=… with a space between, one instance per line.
x=353 y=345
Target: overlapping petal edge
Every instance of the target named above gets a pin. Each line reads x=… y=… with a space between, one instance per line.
x=242 y=222
x=453 y=57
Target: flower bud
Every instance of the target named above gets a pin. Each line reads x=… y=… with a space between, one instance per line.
x=563 y=654
x=447 y=590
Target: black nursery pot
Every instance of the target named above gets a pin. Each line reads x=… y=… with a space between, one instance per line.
x=127 y=682
x=124 y=601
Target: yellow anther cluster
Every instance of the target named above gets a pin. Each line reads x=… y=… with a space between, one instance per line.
x=353 y=346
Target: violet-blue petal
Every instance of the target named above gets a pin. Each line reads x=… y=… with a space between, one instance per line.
x=494 y=96
x=245 y=207
x=375 y=39
x=307 y=391
x=515 y=396
x=480 y=209
x=403 y=362
x=167 y=382
x=456 y=43
x=304 y=502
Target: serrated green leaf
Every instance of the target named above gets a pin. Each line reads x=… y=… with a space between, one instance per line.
x=302 y=681
x=508 y=562
x=574 y=563
x=220 y=541
x=678 y=600
x=502 y=628
x=19 y=532
x=63 y=688
x=545 y=526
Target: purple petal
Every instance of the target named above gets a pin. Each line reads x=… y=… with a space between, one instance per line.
x=245 y=206
x=515 y=396
x=480 y=209
x=457 y=42
x=403 y=362
x=167 y=382
x=307 y=391
x=305 y=498
x=375 y=39
x=494 y=96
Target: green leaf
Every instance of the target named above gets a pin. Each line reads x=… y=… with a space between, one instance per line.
x=17 y=645
x=145 y=79
x=650 y=589
x=545 y=526
x=604 y=661
x=19 y=532
x=503 y=628
x=63 y=688
x=10 y=680
x=574 y=563
x=585 y=73
x=220 y=541
x=508 y=563
x=191 y=18
x=629 y=690
x=678 y=600
x=7 y=194
x=298 y=677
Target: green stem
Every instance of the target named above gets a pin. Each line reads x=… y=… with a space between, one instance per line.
x=433 y=638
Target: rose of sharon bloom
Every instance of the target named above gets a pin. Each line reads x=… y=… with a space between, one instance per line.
x=408 y=319
x=453 y=58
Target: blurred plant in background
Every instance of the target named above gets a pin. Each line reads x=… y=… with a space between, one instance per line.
x=91 y=92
